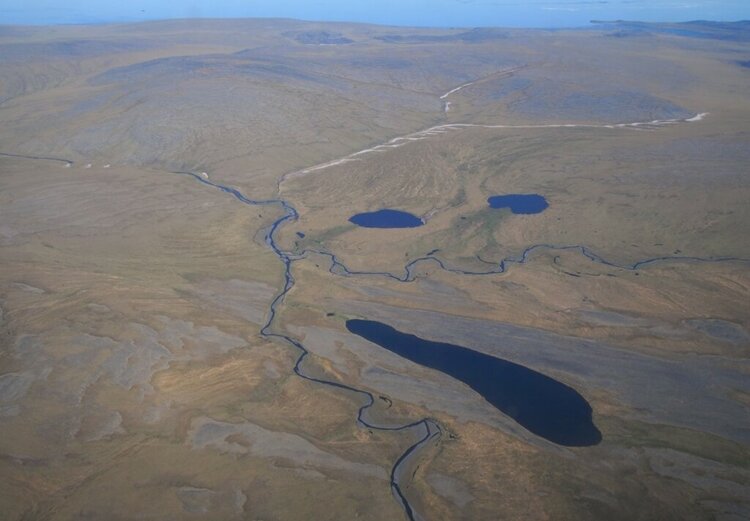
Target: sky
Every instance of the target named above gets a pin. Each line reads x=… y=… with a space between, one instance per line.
x=434 y=13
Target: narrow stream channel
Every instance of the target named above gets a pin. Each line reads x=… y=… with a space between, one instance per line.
x=428 y=428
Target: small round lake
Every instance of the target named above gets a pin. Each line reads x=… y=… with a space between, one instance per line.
x=519 y=203
x=541 y=404
x=386 y=218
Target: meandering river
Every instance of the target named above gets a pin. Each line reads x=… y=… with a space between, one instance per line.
x=424 y=429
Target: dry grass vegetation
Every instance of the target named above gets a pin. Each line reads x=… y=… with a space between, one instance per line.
x=135 y=383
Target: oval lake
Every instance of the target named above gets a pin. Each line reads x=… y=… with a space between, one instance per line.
x=386 y=218
x=519 y=203
x=541 y=404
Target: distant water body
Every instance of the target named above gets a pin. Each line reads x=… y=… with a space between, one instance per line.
x=418 y=13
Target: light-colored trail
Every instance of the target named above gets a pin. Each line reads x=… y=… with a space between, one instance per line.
x=497 y=75
x=400 y=141
x=430 y=428
x=457 y=89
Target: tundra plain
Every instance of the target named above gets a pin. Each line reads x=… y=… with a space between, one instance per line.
x=145 y=371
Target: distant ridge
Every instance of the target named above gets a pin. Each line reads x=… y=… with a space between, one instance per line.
x=705 y=29
x=319 y=38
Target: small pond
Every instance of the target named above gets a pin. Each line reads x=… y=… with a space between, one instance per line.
x=386 y=218
x=519 y=203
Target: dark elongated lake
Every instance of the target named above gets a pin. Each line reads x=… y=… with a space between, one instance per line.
x=541 y=404
x=386 y=218
x=519 y=203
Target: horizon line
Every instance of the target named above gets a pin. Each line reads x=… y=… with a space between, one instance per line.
x=590 y=24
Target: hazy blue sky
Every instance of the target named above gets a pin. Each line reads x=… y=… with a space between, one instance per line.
x=441 y=13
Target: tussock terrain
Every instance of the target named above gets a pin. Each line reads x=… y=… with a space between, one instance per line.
x=144 y=371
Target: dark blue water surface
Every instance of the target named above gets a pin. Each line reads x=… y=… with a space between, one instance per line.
x=519 y=203
x=386 y=218
x=542 y=405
